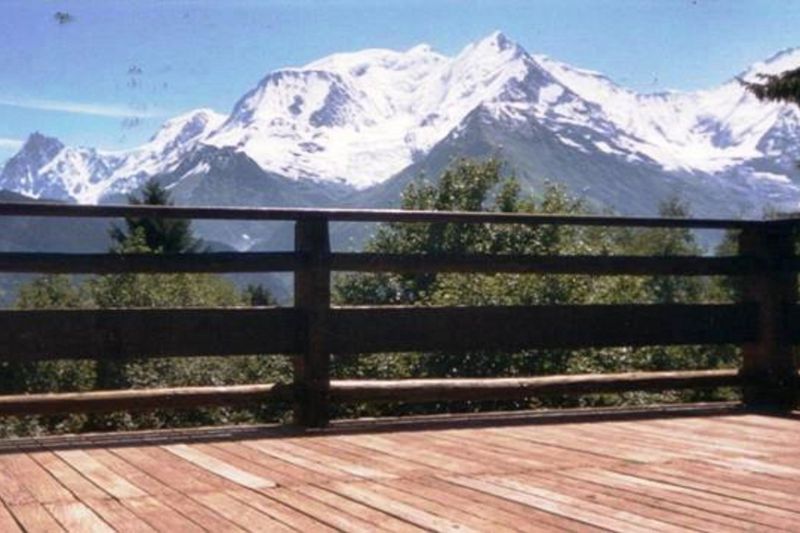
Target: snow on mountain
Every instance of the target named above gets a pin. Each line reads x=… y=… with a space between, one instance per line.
x=362 y=117
x=359 y=118
x=706 y=131
x=45 y=168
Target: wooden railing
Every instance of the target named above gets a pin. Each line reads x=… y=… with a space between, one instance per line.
x=313 y=329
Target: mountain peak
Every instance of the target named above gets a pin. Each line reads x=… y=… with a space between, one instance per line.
x=492 y=52
x=184 y=127
x=496 y=43
x=787 y=59
x=42 y=143
x=499 y=39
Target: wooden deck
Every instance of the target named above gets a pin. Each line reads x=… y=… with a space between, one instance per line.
x=729 y=471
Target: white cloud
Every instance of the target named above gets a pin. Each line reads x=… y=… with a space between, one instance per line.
x=10 y=144
x=100 y=110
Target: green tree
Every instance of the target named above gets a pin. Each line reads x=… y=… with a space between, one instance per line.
x=159 y=235
x=783 y=87
x=142 y=235
x=481 y=186
x=671 y=242
x=258 y=295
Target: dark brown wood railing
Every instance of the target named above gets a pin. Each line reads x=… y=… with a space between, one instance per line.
x=313 y=329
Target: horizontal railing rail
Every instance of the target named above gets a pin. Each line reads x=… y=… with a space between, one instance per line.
x=221 y=262
x=146 y=333
x=313 y=329
x=45 y=209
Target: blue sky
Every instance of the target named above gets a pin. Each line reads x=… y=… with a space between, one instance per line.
x=110 y=76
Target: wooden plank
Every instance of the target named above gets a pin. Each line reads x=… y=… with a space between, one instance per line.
x=711 y=516
x=38 y=481
x=568 y=326
x=495 y=515
x=48 y=209
x=553 y=453
x=284 y=474
x=71 y=479
x=101 y=475
x=530 y=515
x=595 y=265
x=730 y=507
x=312 y=296
x=197 y=512
x=140 y=399
x=286 y=450
x=171 y=470
x=454 y=389
x=118 y=517
x=439 y=505
x=701 y=478
x=283 y=464
x=159 y=477
x=389 y=466
x=160 y=516
x=220 y=468
x=641 y=515
x=587 y=508
x=7 y=522
x=639 y=504
x=266 y=446
x=13 y=491
x=325 y=517
x=76 y=516
x=748 y=480
x=240 y=513
x=129 y=472
x=378 y=517
x=509 y=456
x=432 y=460
x=716 y=447
x=494 y=460
x=554 y=506
x=572 y=438
x=759 y=442
x=34 y=518
x=304 y=517
x=108 y=263
x=566 y=452
x=772 y=467
x=122 y=333
x=403 y=511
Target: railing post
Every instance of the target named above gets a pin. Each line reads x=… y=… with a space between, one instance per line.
x=769 y=371
x=312 y=295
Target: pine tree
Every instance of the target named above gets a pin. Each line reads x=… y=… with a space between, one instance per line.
x=160 y=235
x=784 y=87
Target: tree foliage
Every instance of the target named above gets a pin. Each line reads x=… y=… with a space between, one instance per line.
x=140 y=291
x=158 y=235
x=466 y=186
x=783 y=87
x=482 y=186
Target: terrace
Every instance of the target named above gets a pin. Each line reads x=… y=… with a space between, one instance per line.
x=722 y=466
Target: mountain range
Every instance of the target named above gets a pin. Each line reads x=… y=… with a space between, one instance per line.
x=353 y=129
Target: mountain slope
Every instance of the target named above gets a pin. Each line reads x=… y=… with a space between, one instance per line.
x=45 y=168
x=353 y=128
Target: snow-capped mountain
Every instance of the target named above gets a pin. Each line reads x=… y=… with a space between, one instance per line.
x=362 y=117
x=367 y=121
x=45 y=168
